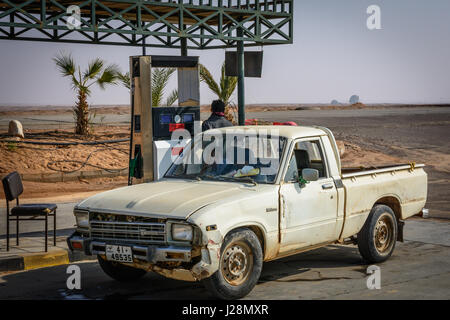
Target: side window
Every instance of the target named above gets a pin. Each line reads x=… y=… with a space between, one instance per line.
x=309 y=155
x=292 y=171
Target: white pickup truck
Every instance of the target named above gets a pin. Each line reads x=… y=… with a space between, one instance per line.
x=218 y=222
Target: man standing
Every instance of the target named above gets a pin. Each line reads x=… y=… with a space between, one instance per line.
x=217 y=118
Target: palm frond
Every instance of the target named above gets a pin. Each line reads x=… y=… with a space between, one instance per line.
x=224 y=85
x=65 y=64
x=157 y=88
x=173 y=96
x=160 y=79
x=109 y=76
x=94 y=68
x=231 y=87
x=206 y=76
x=124 y=79
x=75 y=83
x=228 y=86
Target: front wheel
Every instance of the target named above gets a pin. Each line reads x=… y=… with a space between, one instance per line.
x=377 y=238
x=240 y=266
x=119 y=271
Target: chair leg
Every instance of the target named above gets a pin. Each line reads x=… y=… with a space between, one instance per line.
x=17 y=230
x=7 y=230
x=54 y=228
x=46 y=230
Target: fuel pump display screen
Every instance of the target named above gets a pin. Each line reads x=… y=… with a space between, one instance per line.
x=168 y=119
x=165 y=119
x=188 y=118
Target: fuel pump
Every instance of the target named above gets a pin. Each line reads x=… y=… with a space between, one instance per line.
x=151 y=147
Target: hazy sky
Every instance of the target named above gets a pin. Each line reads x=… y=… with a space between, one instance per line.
x=334 y=55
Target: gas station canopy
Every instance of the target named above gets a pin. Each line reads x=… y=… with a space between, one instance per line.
x=188 y=24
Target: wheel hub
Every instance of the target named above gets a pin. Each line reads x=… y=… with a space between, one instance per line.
x=236 y=263
x=383 y=234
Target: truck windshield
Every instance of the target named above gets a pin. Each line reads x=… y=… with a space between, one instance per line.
x=230 y=157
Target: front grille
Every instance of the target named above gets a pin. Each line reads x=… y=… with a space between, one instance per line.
x=145 y=233
x=100 y=216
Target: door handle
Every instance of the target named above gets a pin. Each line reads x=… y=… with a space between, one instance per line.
x=327 y=186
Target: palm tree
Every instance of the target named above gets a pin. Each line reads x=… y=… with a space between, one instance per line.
x=224 y=90
x=160 y=80
x=96 y=73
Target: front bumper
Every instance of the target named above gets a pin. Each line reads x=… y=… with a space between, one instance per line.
x=152 y=254
x=147 y=253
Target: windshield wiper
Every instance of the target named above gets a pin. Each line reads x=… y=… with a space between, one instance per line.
x=248 y=179
x=242 y=179
x=225 y=178
x=185 y=176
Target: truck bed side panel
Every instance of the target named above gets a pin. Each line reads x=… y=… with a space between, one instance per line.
x=408 y=187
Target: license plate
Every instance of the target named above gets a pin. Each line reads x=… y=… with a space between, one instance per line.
x=119 y=253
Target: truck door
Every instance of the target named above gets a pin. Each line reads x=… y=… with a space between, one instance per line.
x=308 y=212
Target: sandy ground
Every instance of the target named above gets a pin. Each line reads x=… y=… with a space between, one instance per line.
x=29 y=158
x=70 y=191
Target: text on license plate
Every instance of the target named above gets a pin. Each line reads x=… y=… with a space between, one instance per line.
x=118 y=253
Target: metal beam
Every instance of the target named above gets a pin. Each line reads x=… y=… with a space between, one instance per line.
x=207 y=25
x=241 y=79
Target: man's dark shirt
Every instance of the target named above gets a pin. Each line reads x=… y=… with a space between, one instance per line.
x=216 y=121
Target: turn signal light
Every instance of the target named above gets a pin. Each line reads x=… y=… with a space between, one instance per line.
x=77 y=245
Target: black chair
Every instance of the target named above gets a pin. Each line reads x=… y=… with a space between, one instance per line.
x=12 y=185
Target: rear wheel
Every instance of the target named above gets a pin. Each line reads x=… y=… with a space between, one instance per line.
x=377 y=238
x=119 y=271
x=240 y=266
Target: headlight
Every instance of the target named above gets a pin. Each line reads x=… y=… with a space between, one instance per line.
x=82 y=218
x=181 y=232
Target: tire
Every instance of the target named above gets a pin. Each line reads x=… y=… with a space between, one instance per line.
x=240 y=266
x=119 y=271
x=377 y=238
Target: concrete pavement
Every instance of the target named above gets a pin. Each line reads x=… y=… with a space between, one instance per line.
x=419 y=269
x=29 y=254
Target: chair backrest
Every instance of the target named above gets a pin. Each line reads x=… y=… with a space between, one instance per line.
x=303 y=161
x=12 y=185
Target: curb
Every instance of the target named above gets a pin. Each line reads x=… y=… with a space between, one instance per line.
x=62 y=177
x=41 y=260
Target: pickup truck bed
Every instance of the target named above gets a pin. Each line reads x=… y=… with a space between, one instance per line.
x=390 y=185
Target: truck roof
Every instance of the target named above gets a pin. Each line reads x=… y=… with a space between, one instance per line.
x=290 y=132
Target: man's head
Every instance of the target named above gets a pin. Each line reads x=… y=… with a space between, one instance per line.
x=218 y=106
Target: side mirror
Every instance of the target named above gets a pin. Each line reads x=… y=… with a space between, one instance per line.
x=310 y=175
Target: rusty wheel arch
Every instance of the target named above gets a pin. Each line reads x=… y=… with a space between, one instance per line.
x=393 y=203
x=259 y=233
